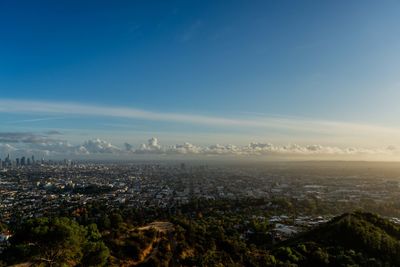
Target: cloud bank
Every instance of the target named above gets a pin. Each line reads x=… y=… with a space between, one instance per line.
x=339 y=139
x=42 y=145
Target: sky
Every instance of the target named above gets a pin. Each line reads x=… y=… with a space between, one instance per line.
x=306 y=78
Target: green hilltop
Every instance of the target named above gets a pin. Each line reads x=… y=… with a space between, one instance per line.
x=352 y=239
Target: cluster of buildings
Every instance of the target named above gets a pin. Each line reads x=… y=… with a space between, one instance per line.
x=23 y=161
x=32 y=188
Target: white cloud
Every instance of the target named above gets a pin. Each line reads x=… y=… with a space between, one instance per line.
x=294 y=126
x=153 y=147
x=185 y=148
x=260 y=149
x=325 y=138
x=98 y=146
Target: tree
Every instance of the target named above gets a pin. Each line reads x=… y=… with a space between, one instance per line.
x=95 y=254
x=52 y=242
x=116 y=220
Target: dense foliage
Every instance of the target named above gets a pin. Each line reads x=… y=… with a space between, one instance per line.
x=201 y=233
x=57 y=242
x=356 y=239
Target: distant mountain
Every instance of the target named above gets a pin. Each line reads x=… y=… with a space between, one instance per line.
x=355 y=239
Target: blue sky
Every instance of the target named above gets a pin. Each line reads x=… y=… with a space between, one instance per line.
x=304 y=64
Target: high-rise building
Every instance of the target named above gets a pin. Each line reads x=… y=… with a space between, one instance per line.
x=7 y=161
x=22 y=161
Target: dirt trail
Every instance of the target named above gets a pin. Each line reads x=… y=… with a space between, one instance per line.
x=162 y=227
x=152 y=248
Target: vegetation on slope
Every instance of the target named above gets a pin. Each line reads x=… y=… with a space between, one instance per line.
x=215 y=237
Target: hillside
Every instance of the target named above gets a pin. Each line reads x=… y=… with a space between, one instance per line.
x=355 y=239
x=352 y=239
